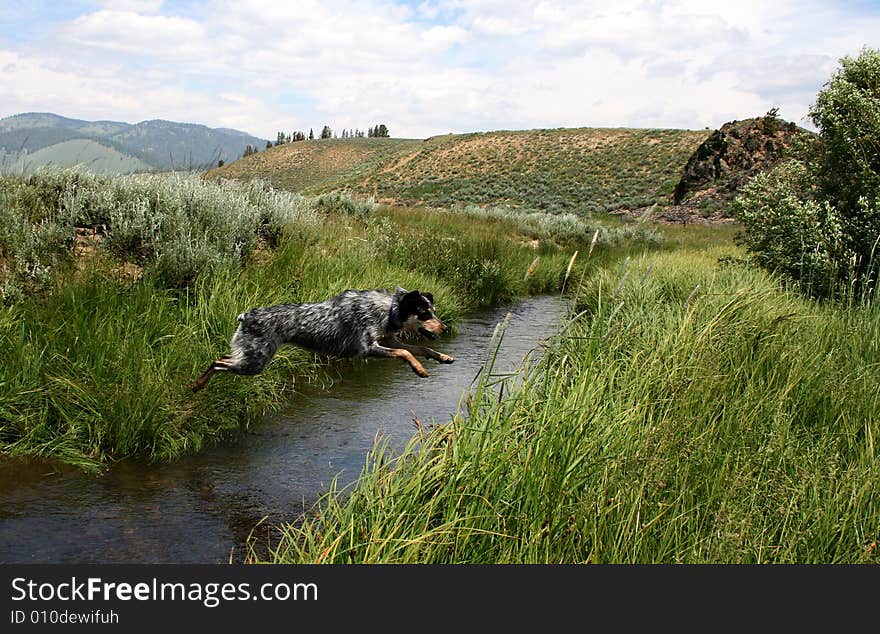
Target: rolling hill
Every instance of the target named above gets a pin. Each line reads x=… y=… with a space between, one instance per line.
x=582 y=170
x=33 y=139
x=319 y=165
x=97 y=158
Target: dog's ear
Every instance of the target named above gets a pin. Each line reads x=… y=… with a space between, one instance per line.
x=409 y=301
x=429 y=297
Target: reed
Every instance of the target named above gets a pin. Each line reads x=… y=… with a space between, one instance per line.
x=688 y=412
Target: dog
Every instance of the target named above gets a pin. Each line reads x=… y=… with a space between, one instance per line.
x=363 y=323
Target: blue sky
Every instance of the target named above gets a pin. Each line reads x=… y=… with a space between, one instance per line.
x=425 y=67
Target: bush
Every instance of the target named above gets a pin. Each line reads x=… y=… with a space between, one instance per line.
x=789 y=232
x=817 y=220
x=36 y=234
x=177 y=227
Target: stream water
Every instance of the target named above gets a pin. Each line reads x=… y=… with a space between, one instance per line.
x=202 y=508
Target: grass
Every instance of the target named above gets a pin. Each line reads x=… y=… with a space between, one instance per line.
x=97 y=362
x=688 y=412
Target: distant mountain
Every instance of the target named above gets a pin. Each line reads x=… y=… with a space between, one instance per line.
x=40 y=138
x=98 y=158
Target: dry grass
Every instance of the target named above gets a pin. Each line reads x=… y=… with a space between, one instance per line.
x=315 y=165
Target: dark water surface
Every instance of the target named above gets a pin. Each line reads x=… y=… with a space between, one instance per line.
x=202 y=508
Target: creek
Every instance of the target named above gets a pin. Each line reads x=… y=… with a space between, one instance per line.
x=202 y=508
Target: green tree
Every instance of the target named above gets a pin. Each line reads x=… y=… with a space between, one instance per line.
x=847 y=113
x=311 y=134
x=326 y=132
x=817 y=219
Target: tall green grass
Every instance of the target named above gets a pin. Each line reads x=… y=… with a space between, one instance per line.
x=97 y=365
x=686 y=413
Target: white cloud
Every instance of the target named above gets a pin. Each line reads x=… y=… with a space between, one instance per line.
x=148 y=35
x=444 y=36
x=138 y=6
x=439 y=66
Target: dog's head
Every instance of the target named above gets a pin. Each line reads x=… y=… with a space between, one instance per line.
x=415 y=310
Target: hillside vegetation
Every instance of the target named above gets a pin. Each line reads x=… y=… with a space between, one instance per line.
x=581 y=170
x=318 y=166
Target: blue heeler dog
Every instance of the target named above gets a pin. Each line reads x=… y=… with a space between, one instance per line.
x=364 y=323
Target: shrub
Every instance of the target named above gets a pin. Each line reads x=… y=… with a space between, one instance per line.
x=789 y=232
x=178 y=227
x=345 y=204
x=36 y=234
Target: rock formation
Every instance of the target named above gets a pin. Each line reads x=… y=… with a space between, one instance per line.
x=732 y=155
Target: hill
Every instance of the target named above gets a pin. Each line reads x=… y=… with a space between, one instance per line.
x=155 y=145
x=727 y=160
x=319 y=165
x=583 y=170
x=90 y=154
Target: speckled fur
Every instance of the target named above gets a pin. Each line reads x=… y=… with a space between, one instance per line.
x=353 y=323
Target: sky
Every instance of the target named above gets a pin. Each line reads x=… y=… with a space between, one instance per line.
x=426 y=67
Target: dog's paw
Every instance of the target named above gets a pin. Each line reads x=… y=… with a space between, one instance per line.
x=445 y=358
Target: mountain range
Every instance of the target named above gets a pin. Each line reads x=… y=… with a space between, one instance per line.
x=34 y=139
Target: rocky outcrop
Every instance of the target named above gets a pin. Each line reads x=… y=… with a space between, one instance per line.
x=732 y=155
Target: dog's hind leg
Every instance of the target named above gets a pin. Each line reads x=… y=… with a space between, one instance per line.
x=222 y=364
x=377 y=350
x=422 y=351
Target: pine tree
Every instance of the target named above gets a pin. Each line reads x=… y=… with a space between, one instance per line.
x=326 y=133
x=311 y=134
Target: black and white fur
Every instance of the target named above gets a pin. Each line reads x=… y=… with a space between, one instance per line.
x=354 y=323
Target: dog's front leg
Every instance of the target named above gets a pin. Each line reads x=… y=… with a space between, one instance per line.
x=423 y=351
x=221 y=364
x=377 y=350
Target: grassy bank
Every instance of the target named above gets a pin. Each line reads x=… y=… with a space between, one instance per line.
x=117 y=292
x=689 y=412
